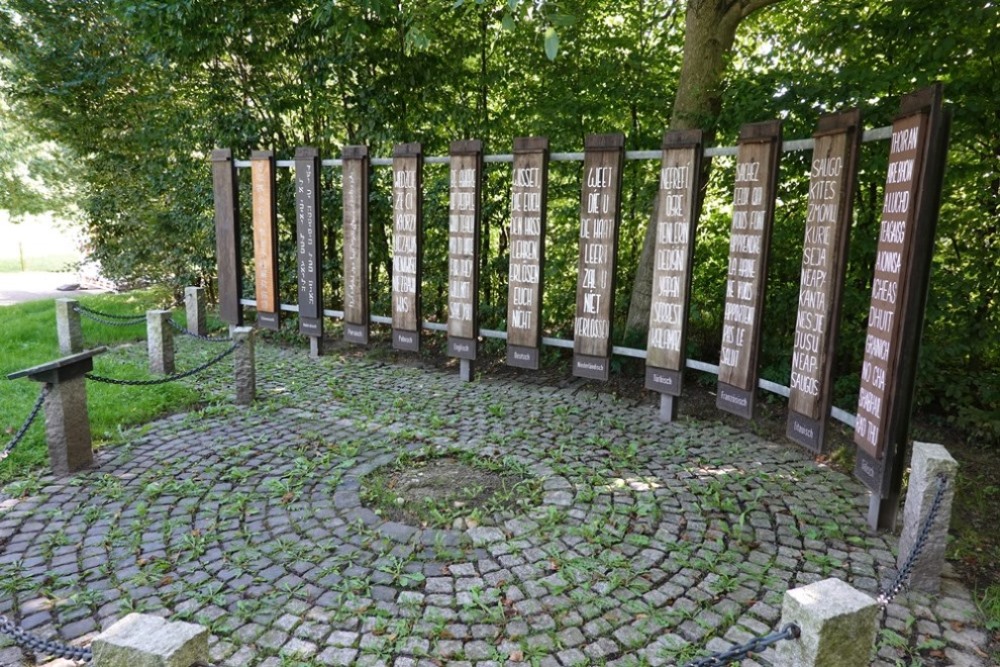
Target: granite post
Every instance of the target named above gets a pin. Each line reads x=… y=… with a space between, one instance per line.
x=67 y=426
x=194 y=309
x=245 y=373
x=160 y=342
x=838 y=626
x=68 y=326
x=930 y=463
x=142 y=640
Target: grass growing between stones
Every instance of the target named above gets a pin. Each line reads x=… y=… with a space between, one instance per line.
x=28 y=338
x=450 y=490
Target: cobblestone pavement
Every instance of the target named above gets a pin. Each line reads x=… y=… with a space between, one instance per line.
x=650 y=544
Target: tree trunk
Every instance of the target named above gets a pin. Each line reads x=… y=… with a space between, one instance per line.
x=709 y=32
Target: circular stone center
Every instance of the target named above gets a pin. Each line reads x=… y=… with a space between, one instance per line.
x=448 y=492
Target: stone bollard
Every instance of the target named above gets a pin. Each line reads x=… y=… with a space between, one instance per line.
x=246 y=374
x=160 y=342
x=141 y=640
x=68 y=326
x=194 y=309
x=929 y=462
x=838 y=625
x=67 y=423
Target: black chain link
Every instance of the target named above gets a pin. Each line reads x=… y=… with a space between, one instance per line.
x=755 y=645
x=109 y=319
x=27 y=422
x=170 y=378
x=886 y=595
x=27 y=640
x=184 y=331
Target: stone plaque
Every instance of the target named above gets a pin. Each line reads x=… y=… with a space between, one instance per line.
x=355 y=184
x=759 y=146
x=309 y=241
x=465 y=184
x=600 y=213
x=824 y=260
x=676 y=218
x=265 y=239
x=227 y=236
x=525 y=282
x=407 y=233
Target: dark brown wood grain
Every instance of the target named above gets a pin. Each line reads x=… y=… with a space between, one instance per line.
x=600 y=215
x=407 y=243
x=757 y=160
x=309 y=241
x=464 y=210
x=227 y=236
x=355 y=194
x=526 y=272
x=832 y=176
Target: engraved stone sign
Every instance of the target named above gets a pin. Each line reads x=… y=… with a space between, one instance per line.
x=407 y=233
x=355 y=187
x=465 y=183
x=309 y=241
x=265 y=238
x=824 y=260
x=600 y=213
x=749 y=242
x=676 y=219
x=527 y=250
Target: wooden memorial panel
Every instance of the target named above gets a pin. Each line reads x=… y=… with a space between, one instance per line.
x=600 y=214
x=309 y=241
x=355 y=187
x=917 y=152
x=529 y=194
x=227 y=236
x=464 y=210
x=757 y=158
x=824 y=261
x=265 y=239
x=676 y=221
x=407 y=242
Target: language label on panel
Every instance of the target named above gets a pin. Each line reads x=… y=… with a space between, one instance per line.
x=746 y=275
x=465 y=178
x=676 y=213
x=309 y=241
x=407 y=196
x=600 y=213
x=824 y=259
x=355 y=188
x=265 y=239
x=525 y=280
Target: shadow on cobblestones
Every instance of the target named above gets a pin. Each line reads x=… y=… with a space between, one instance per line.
x=651 y=543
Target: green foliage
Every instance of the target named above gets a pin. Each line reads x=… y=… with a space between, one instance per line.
x=138 y=93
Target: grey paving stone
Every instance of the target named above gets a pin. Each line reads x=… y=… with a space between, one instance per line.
x=590 y=572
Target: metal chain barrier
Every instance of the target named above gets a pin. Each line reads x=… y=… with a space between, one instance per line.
x=170 y=378
x=110 y=319
x=27 y=423
x=743 y=651
x=886 y=595
x=27 y=640
x=184 y=331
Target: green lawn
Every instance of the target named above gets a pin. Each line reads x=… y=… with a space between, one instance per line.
x=28 y=338
x=32 y=263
